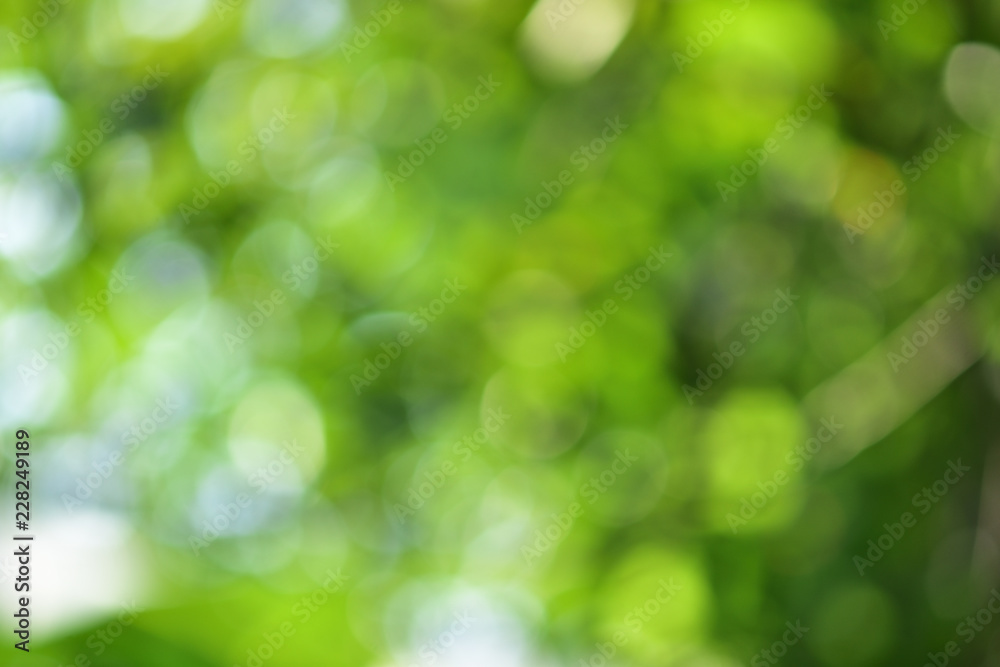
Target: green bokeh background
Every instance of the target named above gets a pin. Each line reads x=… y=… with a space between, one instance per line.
x=382 y=385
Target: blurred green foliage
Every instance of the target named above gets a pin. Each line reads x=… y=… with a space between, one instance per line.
x=409 y=322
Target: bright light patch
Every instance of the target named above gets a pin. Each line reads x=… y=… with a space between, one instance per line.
x=567 y=41
x=161 y=20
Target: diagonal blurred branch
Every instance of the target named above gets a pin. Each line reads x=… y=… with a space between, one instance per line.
x=872 y=400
